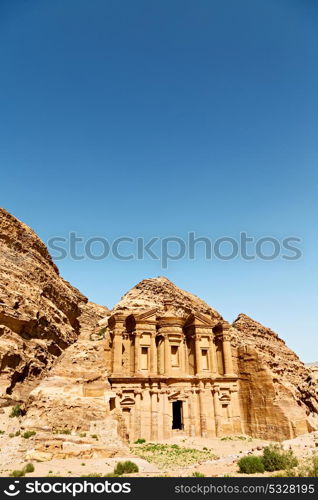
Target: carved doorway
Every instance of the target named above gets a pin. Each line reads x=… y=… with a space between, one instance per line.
x=177 y=416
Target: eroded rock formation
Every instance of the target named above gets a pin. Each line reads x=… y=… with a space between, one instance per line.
x=39 y=311
x=278 y=393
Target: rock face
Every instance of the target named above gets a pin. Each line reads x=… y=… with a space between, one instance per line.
x=69 y=396
x=39 y=311
x=313 y=369
x=74 y=396
x=277 y=390
x=152 y=293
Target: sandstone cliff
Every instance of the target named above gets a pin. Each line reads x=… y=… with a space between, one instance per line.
x=278 y=393
x=68 y=397
x=287 y=369
x=74 y=397
x=39 y=311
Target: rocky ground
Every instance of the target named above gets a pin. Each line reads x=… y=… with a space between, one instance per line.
x=180 y=456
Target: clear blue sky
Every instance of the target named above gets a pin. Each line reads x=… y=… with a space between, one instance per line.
x=147 y=118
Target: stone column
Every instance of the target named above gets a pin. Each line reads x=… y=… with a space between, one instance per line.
x=108 y=355
x=198 y=356
x=181 y=357
x=202 y=412
x=138 y=414
x=126 y=354
x=137 y=352
x=236 y=412
x=217 y=412
x=167 y=417
x=160 y=415
x=186 y=357
x=117 y=352
x=186 y=416
x=161 y=356
x=212 y=356
x=167 y=356
x=227 y=354
x=192 y=414
x=215 y=357
x=153 y=355
x=154 y=414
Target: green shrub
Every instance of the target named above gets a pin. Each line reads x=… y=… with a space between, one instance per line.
x=11 y=435
x=28 y=434
x=94 y=436
x=111 y=474
x=309 y=468
x=95 y=474
x=275 y=458
x=251 y=465
x=169 y=457
x=82 y=434
x=198 y=474
x=140 y=441
x=284 y=474
x=17 y=433
x=16 y=411
x=17 y=473
x=29 y=468
x=62 y=431
x=2 y=432
x=125 y=468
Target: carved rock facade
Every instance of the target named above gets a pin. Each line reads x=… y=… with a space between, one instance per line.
x=172 y=374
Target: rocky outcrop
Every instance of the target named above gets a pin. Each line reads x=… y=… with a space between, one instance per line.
x=39 y=311
x=285 y=382
x=75 y=396
x=288 y=370
x=313 y=370
x=269 y=409
x=151 y=293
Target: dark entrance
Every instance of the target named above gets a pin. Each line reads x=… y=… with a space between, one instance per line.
x=177 y=415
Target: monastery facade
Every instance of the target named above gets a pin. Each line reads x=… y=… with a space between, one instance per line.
x=171 y=374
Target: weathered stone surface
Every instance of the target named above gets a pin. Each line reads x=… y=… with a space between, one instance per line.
x=152 y=293
x=288 y=370
x=68 y=446
x=277 y=391
x=313 y=370
x=74 y=396
x=39 y=311
x=269 y=409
